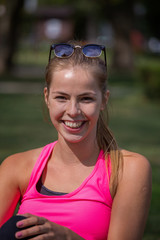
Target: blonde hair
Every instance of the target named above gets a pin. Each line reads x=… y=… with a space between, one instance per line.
x=105 y=138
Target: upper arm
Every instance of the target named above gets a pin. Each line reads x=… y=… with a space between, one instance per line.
x=9 y=189
x=132 y=200
x=15 y=172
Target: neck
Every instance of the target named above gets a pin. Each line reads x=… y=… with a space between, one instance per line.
x=85 y=152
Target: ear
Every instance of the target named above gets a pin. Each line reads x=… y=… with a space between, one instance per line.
x=46 y=95
x=105 y=99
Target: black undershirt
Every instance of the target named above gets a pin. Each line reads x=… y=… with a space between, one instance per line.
x=45 y=191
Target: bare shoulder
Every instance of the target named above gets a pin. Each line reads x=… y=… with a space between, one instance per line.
x=136 y=167
x=132 y=200
x=17 y=168
x=135 y=160
x=21 y=159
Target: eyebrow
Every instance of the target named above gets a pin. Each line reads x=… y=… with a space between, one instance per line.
x=83 y=94
x=58 y=92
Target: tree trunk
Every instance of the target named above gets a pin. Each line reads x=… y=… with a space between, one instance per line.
x=121 y=16
x=9 y=33
x=122 y=54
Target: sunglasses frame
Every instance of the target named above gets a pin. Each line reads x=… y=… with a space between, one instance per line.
x=102 y=47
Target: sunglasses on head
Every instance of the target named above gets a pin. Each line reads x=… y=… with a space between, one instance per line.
x=65 y=50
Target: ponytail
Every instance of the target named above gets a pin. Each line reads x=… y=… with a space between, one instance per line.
x=108 y=144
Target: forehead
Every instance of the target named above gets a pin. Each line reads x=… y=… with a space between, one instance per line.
x=78 y=77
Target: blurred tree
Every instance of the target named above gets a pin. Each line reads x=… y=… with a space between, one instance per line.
x=9 y=31
x=89 y=16
x=120 y=13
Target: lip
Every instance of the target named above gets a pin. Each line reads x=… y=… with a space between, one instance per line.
x=71 y=125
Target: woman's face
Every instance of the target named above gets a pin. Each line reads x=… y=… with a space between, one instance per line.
x=74 y=101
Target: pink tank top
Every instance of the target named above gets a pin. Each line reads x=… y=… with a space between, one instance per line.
x=86 y=210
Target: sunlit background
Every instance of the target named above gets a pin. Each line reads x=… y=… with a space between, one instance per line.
x=130 y=30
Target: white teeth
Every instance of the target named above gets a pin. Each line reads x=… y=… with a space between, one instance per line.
x=73 y=124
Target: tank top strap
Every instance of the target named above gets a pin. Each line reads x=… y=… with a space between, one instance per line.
x=40 y=164
x=107 y=160
x=109 y=166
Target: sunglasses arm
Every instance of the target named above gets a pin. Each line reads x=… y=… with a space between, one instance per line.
x=50 y=54
x=105 y=58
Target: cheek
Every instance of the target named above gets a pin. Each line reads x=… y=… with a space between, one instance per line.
x=92 y=111
x=55 y=111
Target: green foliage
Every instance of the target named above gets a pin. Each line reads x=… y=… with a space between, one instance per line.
x=149 y=73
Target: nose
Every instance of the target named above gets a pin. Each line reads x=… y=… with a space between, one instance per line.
x=73 y=108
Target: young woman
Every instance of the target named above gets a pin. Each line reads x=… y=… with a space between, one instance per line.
x=82 y=186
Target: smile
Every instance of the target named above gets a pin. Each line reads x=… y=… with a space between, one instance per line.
x=73 y=124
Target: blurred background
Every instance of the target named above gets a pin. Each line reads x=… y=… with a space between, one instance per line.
x=130 y=30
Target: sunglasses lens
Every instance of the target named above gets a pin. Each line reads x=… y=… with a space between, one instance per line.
x=63 y=50
x=92 y=51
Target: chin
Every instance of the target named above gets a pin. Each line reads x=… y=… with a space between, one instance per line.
x=74 y=139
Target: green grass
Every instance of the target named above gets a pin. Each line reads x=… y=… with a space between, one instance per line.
x=133 y=119
x=135 y=123
x=22 y=124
